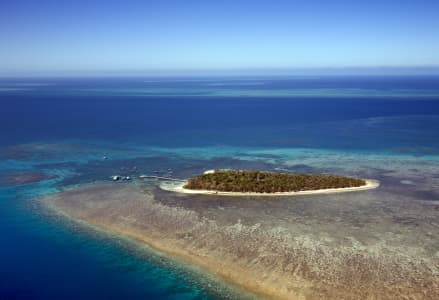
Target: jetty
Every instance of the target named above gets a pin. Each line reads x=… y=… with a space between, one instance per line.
x=161 y=178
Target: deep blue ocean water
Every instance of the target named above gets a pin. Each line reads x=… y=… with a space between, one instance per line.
x=62 y=126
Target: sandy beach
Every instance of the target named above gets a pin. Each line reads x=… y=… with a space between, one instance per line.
x=277 y=249
x=179 y=188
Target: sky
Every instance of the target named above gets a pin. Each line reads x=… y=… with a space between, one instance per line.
x=86 y=36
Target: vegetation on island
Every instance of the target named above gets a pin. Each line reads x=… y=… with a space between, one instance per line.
x=268 y=182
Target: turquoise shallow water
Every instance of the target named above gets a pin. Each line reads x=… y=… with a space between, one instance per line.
x=45 y=256
x=54 y=137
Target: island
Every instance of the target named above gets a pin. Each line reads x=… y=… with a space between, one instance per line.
x=255 y=183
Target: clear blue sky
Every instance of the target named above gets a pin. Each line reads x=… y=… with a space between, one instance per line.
x=123 y=36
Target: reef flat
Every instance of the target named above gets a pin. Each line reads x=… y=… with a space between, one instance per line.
x=352 y=247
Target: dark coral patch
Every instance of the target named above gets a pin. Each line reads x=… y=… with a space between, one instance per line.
x=23 y=178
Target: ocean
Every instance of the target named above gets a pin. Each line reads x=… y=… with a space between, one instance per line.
x=63 y=132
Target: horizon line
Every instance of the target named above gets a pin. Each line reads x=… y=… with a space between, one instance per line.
x=257 y=72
